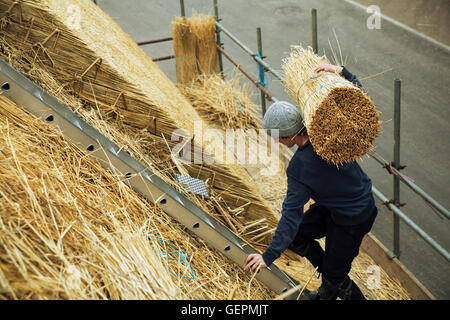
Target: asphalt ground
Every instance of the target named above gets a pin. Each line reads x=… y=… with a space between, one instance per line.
x=422 y=66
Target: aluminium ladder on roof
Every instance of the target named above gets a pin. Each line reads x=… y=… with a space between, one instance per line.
x=35 y=100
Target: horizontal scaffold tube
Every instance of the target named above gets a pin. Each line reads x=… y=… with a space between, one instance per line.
x=412 y=185
x=250 y=52
x=411 y=224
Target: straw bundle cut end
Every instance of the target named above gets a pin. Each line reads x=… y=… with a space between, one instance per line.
x=344 y=126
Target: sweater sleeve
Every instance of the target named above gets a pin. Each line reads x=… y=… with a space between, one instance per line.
x=291 y=216
x=351 y=77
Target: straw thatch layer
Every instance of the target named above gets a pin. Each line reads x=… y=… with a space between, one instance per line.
x=223 y=104
x=342 y=120
x=71 y=230
x=110 y=72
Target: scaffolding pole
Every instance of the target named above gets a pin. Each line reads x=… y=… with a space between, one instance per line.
x=396 y=164
x=219 y=43
x=183 y=12
x=261 y=70
x=154 y=41
x=414 y=187
x=314 y=30
x=245 y=73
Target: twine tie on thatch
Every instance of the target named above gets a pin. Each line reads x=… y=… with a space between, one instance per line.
x=181 y=59
x=321 y=86
x=8 y=12
x=114 y=106
x=99 y=61
x=187 y=58
x=40 y=45
x=29 y=29
x=306 y=81
x=181 y=256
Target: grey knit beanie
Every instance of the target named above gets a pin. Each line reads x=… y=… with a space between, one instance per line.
x=283 y=116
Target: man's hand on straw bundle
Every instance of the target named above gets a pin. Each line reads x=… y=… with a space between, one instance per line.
x=328 y=68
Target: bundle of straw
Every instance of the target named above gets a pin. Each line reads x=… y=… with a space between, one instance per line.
x=341 y=120
x=223 y=104
x=204 y=30
x=194 y=44
x=184 y=46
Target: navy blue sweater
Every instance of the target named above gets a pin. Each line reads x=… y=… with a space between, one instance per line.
x=345 y=190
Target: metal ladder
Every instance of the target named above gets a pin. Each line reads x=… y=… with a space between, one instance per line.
x=35 y=100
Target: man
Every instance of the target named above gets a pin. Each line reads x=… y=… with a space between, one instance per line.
x=343 y=212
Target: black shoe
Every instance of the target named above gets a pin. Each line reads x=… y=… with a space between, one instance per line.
x=309 y=295
x=346 y=290
x=350 y=291
x=327 y=290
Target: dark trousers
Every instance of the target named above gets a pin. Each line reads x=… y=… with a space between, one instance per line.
x=341 y=243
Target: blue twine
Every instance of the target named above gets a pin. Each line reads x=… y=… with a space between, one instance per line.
x=321 y=86
x=307 y=80
x=181 y=256
x=262 y=80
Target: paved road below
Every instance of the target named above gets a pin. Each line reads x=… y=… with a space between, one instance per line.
x=431 y=18
x=422 y=67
